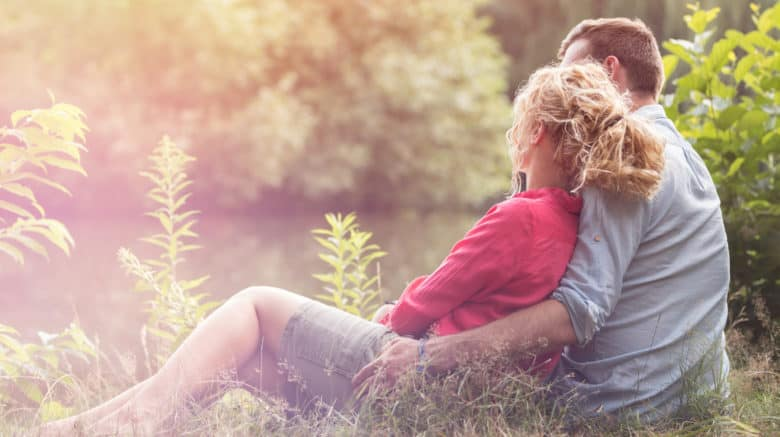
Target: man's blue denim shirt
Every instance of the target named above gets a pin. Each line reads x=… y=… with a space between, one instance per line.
x=646 y=291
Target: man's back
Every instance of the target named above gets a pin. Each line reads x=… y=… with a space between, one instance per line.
x=646 y=291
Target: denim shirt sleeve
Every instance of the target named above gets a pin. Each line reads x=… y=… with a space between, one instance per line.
x=610 y=230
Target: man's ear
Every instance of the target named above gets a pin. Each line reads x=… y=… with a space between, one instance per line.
x=612 y=64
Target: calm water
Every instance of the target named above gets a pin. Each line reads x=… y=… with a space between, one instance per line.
x=91 y=286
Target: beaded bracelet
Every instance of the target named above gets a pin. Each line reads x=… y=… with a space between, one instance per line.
x=421 y=355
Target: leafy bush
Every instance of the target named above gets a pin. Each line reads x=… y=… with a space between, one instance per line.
x=727 y=103
x=350 y=287
x=37 y=141
x=174 y=311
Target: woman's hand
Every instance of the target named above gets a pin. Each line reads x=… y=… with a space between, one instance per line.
x=381 y=312
x=398 y=356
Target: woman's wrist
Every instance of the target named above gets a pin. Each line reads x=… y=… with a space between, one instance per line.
x=437 y=354
x=422 y=358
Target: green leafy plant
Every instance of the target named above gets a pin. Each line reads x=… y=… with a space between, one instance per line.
x=727 y=103
x=37 y=141
x=31 y=372
x=175 y=310
x=350 y=286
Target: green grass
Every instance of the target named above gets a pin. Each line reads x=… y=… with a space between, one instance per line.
x=483 y=399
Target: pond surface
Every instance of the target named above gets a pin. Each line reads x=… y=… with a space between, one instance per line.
x=91 y=286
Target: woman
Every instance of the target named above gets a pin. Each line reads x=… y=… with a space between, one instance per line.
x=572 y=129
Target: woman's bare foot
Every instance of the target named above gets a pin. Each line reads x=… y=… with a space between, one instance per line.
x=128 y=421
x=70 y=426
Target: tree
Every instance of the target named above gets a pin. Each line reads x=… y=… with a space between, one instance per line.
x=365 y=101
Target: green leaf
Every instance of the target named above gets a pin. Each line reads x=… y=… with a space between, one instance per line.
x=5 y=329
x=743 y=67
x=13 y=252
x=53 y=410
x=53 y=231
x=184 y=230
x=324 y=277
x=156 y=241
x=160 y=333
x=178 y=218
x=768 y=20
x=64 y=164
x=719 y=56
x=30 y=389
x=685 y=50
x=165 y=221
x=190 y=247
x=325 y=297
x=700 y=19
x=21 y=212
x=181 y=201
x=326 y=244
x=15 y=346
x=670 y=64
x=29 y=243
x=17 y=116
x=33 y=177
x=331 y=260
x=23 y=191
x=180 y=187
x=735 y=166
x=729 y=116
x=195 y=283
x=753 y=122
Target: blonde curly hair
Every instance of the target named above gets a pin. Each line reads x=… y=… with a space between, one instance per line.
x=599 y=142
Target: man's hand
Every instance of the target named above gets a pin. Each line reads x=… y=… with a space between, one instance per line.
x=398 y=356
x=548 y=319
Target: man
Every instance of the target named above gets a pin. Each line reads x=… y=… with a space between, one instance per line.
x=642 y=305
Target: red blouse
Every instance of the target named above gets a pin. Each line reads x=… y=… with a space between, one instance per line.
x=512 y=258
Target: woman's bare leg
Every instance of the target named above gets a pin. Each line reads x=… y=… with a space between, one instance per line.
x=262 y=373
x=227 y=340
x=98 y=412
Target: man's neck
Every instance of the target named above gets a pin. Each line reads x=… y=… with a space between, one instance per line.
x=641 y=99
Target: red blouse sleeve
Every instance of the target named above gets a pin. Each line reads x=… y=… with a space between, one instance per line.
x=484 y=259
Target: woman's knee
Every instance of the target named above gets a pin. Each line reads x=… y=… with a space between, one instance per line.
x=255 y=294
x=273 y=308
x=262 y=295
x=267 y=299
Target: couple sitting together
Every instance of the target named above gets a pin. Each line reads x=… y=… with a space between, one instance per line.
x=613 y=254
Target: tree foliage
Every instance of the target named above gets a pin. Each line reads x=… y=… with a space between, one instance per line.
x=312 y=100
x=727 y=103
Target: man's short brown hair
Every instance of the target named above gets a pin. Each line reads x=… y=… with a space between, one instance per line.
x=631 y=41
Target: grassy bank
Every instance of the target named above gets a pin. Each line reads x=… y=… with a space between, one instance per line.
x=479 y=399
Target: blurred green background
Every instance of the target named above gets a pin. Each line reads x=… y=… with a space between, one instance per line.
x=298 y=105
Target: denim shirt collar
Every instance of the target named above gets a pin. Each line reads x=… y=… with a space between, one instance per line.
x=652 y=112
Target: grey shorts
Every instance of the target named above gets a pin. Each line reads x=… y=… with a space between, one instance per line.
x=322 y=348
